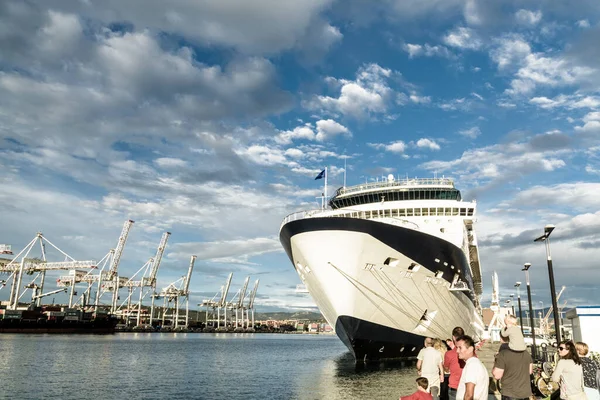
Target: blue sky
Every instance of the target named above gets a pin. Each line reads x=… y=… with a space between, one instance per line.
x=211 y=119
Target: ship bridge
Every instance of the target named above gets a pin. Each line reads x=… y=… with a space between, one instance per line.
x=395 y=190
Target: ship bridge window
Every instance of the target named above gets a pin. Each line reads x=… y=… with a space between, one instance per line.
x=463 y=212
x=440 y=211
x=455 y=211
x=402 y=213
x=425 y=212
x=470 y=212
x=417 y=212
x=409 y=212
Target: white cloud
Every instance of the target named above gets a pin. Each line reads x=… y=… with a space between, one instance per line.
x=583 y=23
x=477 y=95
x=499 y=163
x=323 y=130
x=328 y=128
x=294 y=153
x=576 y=195
x=539 y=69
x=427 y=50
x=415 y=98
x=460 y=104
x=246 y=27
x=463 y=38
x=425 y=143
x=394 y=147
x=567 y=101
x=527 y=17
x=471 y=133
x=263 y=155
x=368 y=94
x=300 y=132
x=167 y=162
x=510 y=51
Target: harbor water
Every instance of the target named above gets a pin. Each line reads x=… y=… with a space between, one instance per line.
x=193 y=366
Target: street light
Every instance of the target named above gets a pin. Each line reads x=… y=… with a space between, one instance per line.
x=512 y=304
x=526 y=267
x=518 y=285
x=546 y=239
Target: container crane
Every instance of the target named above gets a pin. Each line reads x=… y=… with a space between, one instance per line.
x=32 y=266
x=544 y=322
x=223 y=302
x=173 y=293
x=250 y=307
x=148 y=279
x=112 y=258
x=240 y=304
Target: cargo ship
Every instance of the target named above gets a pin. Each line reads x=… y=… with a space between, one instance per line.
x=390 y=263
x=53 y=319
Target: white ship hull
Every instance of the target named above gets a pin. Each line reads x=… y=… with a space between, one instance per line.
x=383 y=287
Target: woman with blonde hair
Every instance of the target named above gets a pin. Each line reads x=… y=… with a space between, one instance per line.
x=568 y=372
x=440 y=346
x=591 y=372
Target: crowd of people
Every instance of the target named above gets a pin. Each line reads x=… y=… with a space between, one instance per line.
x=451 y=370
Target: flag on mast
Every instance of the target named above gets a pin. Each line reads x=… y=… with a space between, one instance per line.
x=321 y=175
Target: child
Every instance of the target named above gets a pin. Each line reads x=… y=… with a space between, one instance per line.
x=421 y=393
x=516 y=342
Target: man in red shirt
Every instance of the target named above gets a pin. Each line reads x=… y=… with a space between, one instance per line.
x=421 y=393
x=453 y=364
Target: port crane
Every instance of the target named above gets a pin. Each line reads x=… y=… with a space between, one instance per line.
x=239 y=305
x=250 y=307
x=544 y=321
x=173 y=293
x=112 y=259
x=215 y=305
x=148 y=280
x=38 y=266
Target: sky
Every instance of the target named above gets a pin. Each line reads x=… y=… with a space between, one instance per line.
x=211 y=120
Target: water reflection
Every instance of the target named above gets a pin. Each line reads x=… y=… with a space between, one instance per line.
x=341 y=378
x=193 y=366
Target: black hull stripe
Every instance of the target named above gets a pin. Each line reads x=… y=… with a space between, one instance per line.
x=370 y=341
x=419 y=246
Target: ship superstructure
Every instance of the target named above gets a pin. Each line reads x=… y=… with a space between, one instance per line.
x=389 y=263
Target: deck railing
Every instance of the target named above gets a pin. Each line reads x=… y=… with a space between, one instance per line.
x=369 y=214
x=421 y=182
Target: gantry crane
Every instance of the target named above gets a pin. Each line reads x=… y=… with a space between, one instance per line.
x=250 y=307
x=113 y=259
x=239 y=306
x=545 y=320
x=172 y=293
x=38 y=266
x=148 y=280
x=223 y=304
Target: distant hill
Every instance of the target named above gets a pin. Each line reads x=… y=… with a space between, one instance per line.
x=304 y=315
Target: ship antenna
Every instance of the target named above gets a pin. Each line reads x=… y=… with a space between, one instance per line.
x=345 y=171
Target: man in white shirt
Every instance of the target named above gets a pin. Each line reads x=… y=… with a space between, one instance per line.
x=430 y=366
x=474 y=382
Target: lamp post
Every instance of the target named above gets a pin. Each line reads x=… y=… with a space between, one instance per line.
x=546 y=239
x=518 y=285
x=512 y=304
x=526 y=267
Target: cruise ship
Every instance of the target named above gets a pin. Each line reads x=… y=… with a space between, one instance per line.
x=390 y=263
